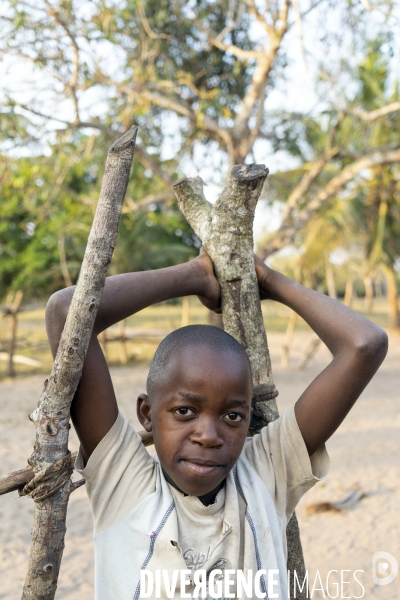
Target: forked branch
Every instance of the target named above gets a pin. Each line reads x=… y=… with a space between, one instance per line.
x=226 y=230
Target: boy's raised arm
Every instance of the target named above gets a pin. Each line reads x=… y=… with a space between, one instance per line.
x=358 y=347
x=94 y=409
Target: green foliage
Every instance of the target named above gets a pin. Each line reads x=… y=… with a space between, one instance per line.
x=360 y=227
x=121 y=52
x=153 y=240
x=46 y=199
x=168 y=66
x=34 y=213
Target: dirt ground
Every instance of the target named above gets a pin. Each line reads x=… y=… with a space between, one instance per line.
x=365 y=450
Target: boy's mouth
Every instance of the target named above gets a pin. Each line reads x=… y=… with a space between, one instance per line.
x=201 y=467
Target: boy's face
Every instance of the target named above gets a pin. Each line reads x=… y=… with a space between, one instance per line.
x=199 y=417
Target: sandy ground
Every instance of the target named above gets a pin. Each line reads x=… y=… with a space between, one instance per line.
x=365 y=450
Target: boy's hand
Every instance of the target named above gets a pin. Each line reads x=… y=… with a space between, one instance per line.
x=211 y=297
x=211 y=294
x=264 y=276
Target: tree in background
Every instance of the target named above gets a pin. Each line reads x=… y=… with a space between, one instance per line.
x=349 y=202
x=376 y=200
x=200 y=80
x=47 y=208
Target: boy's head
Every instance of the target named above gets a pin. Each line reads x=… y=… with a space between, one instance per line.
x=198 y=406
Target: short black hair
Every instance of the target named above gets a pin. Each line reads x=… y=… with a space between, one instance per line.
x=192 y=336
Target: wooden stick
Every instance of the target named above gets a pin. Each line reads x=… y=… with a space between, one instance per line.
x=17 y=479
x=226 y=230
x=51 y=418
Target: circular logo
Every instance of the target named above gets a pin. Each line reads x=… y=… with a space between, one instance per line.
x=384 y=568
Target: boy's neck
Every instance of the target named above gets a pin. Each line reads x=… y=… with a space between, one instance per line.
x=207 y=499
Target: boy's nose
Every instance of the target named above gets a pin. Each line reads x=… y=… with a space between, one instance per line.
x=207 y=433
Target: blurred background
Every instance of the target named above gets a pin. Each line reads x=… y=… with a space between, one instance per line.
x=310 y=88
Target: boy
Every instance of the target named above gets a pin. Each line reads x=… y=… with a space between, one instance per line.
x=212 y=509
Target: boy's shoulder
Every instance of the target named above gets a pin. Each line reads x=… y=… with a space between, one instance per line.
x=279 y=457
x=119 y=474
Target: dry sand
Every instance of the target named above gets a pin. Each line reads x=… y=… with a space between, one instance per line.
x=365 y=450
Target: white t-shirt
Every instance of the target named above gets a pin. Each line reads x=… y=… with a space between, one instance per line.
x=141 y=522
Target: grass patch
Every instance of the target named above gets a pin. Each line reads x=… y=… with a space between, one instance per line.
x=148 y=328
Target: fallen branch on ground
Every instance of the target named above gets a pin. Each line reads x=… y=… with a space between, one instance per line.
x=352 y=497
x=18 y=358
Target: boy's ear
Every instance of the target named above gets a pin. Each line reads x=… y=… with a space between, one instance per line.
x=143 y=411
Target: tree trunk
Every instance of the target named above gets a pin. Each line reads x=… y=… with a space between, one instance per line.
x=288 y=338
x=168 y=316
x=349 y=293
x=379 y=285
x=123 y=355
x=226 y=230
x=185 y=311
x=369 y=293
x=15 y=480
x=330 y=279
x=310 y=351
x=51 y=418
x=63 y=261
x=392 y=295
x=13 y=314
x=315 y=341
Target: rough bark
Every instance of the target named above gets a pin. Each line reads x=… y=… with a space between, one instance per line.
x=226 y=230
x=51 y=418
x=17 y=479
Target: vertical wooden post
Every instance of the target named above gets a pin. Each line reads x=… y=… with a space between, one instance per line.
x=51 y=418
x=123 y=355
x=349 y=292
x=226 y=230
x=185 y=311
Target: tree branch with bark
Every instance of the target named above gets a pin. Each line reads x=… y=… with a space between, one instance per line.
x=50 y=460
x=226 y=230
x=293 y=223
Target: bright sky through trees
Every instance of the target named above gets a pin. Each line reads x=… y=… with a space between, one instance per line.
x=306 y=87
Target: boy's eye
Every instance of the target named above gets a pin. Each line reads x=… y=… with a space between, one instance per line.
x=233 y=416
x=184 y=411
